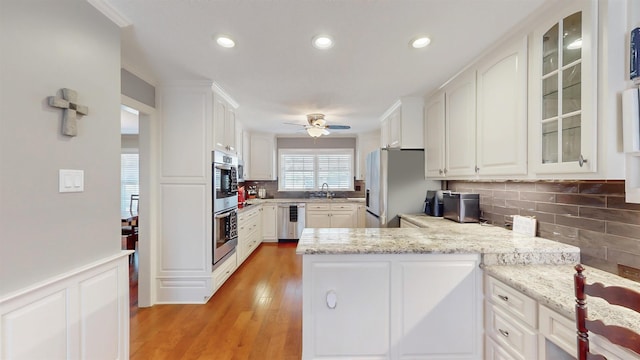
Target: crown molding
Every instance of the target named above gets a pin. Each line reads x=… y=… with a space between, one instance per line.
x=390 y=110
x=220 y=91
x=110 y=12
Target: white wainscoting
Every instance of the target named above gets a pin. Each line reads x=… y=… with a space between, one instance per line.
x=82 y=314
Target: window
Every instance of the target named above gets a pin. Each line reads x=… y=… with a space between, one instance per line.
x=129 y=183
x=308 y=169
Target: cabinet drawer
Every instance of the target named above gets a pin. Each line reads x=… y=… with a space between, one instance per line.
x=510 y=333
x=222 y=273
x=318 y=206
x=342 y=206
x=514 y=302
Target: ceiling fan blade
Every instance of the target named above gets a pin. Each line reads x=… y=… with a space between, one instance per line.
x=325 y=132
x=338 y=127
x=297 y=124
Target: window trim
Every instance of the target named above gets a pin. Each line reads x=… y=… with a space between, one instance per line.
x=329 y=151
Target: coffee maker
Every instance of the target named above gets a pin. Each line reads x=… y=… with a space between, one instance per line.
x=433 y=203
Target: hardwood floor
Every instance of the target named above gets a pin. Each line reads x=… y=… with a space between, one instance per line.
x=256 y=314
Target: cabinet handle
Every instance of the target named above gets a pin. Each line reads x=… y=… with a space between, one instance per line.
x=440 y=171
x=332 y=299
x=581 y=160
x=445 y=171
x=504 y=297
x=504 y=333
x=477 y=169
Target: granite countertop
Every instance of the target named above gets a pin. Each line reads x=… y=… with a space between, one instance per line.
x=305 y=200
x=497 y=246
x=552 y=286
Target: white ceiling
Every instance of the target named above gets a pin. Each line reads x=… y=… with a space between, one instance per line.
x=275 y=74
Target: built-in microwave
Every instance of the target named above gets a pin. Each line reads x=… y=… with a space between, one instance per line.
x=224 y=170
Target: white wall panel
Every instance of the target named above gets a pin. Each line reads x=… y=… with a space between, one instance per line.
x=183 y=239
x=82 y=314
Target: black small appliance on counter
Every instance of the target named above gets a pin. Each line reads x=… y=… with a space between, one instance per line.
x=433 y=204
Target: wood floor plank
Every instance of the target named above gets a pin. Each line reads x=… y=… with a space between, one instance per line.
x=256 y=314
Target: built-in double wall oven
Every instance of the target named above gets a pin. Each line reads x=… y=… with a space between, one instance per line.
x=224 y=171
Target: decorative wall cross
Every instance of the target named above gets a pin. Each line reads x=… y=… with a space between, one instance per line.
x=70 y=109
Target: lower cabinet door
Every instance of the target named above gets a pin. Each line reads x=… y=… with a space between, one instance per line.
x=438 y=310
x=349 y=307
x=493 y=351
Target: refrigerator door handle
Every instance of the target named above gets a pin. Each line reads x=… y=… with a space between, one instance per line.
x=366 y=197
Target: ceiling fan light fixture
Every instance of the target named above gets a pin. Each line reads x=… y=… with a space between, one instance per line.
x=322 y=42
x=225 y=41
x=420 y=42
x=315 y=131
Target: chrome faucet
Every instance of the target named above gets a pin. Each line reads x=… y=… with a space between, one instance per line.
x=327 y=193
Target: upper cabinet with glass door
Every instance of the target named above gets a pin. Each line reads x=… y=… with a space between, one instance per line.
x=563 y=92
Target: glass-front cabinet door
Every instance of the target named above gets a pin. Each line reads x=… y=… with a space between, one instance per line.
x=563 y=91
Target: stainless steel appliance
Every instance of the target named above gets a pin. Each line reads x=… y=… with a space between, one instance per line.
x=462 y=207
x=225 y=205
x=290 y=221
x=395 y=184
x=225 y=233
x=225 y=180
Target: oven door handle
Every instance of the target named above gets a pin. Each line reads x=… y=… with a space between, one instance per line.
x=223 y=167
x=222 y=216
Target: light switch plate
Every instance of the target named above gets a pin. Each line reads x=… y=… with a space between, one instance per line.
x=70 y=180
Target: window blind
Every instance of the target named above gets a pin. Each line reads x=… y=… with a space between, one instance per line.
x=129 y=183
x=307 y=170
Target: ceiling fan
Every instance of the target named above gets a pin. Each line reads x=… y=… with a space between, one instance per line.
x=318 y=125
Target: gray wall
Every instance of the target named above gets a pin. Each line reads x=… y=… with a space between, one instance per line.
x=48 y=45
x=138 y=89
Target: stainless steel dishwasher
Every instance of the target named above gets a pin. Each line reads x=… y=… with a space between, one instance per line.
x=290 y=221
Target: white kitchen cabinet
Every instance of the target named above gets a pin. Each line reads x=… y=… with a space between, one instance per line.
x=460 y=125
x=224 y=271
x=367 y=142
x=246 y=153
x=269 y=222
x=402 y=124
x=392 y=307
x=184 y=259
x=524 y=329
x=331 y=215
x=346 y=312
x=249 y=232
x=224 y=123
x=239 y=133
x=501 y=141
x=262 y=158
x=434 y=136
x=436 y=307
x=563 y=93
x=361 y=214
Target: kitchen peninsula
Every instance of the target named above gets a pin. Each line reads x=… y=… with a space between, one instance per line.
x=423 y=292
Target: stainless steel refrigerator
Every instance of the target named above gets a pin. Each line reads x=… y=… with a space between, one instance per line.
x=395 y=184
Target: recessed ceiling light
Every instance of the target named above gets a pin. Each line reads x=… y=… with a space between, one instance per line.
x=225 y=41
x=322 y=42
x=420 y=42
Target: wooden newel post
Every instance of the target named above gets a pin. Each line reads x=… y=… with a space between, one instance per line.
x=581 y=313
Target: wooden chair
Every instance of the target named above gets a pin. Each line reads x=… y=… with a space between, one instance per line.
x=614 y=295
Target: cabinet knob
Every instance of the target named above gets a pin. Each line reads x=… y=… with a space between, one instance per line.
x=504 y=297
x=332 y=299
x=504 y=333
x=581 y=160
